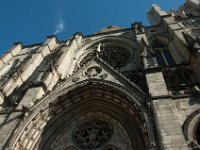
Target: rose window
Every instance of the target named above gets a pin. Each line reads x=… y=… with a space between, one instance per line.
x=116 y=56
x=92 y=134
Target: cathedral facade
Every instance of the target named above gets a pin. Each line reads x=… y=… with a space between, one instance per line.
x=132 y=88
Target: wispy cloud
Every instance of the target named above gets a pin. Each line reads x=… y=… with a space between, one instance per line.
x=59 y=23
x=59 y=27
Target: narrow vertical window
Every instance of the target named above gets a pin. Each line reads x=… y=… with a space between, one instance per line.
x=163 y=55
x=170 y=60
x=159 y=57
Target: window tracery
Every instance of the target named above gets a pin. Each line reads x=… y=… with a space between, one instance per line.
x=163 y=55
x=92 y=134
x=116 y=56
x=113 y=54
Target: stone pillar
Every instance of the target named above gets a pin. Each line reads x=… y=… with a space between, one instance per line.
x=149 y=60
x=30 y=97
x=66 y=61
x=6 y=68
x=17 y=47
x=44 y=50
x=1 y=99
x=9 y=55
x=54 y=79
x=29 y=67
x=193 y=3
x=8 y=129
x=9 y=86
x=168 y=127
x=26 y=70
x=156 y=84
x=51 y=42
x=155 y=14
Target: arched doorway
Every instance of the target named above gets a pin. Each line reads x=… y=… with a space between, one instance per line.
x=91 y=115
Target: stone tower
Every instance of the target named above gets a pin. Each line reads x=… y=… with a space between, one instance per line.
x=118 y=89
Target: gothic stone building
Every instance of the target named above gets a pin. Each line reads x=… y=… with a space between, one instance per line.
x=118 y=89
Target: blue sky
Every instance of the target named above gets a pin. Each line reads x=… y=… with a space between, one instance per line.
x=31 y=21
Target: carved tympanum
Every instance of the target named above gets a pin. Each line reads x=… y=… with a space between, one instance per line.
x=92 y=134
x=110 y=147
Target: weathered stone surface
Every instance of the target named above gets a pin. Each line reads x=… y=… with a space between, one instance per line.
x=30 y=97
x=139 y=84
x=51 y=42
x=156 y=84
x=171 y=135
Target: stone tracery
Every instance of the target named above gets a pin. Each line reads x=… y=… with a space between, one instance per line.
x=115 y=55
x=92 y=134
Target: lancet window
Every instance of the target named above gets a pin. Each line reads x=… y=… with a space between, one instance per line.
x=163 y=55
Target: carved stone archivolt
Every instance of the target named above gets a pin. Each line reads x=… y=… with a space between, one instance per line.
x=191 y=130
x=120 y=122
x=75 y=79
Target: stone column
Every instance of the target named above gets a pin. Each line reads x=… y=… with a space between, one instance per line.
x=51 y=42
x=30 y=97
x=66 y=61
x=9 y=55
x=168 y=127
x=156 y=84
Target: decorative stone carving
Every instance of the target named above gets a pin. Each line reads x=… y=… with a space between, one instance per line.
x=103 y=76
x=110 y=147
x=138 y=27
x=191 y=130
x=193 y=44
x=75 y=79
x=116 y=56
x=71 y=148
x=87 y=58
x=148 y=49
x=128 y=35
x=92 y=134
x=93 y=71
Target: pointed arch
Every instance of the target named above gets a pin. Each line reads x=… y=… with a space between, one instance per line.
x=112 y=46
x=53 y=114
x=162 y=52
